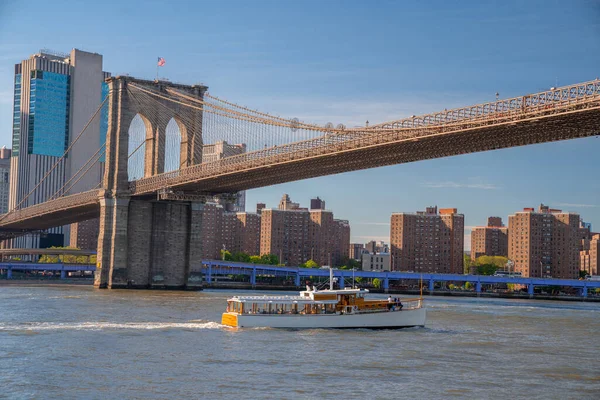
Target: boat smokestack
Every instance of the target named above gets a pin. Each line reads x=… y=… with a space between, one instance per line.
x=330 y=278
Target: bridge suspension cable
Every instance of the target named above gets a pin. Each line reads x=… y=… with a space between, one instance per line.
x=93 y=160
x=58 y=161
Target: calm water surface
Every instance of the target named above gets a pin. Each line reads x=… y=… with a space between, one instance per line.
x=77 y=342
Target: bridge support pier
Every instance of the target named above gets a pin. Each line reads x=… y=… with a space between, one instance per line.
x=584 y=292
x=63 y=274
x=208 y=276
x=297 y=279
x=253 y=277
x=149 y=244
x=530 y=290
x=386 y=284
x=478 y=288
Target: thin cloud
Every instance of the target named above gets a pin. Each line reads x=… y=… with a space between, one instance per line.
x=575 y=205
x=457 y=185
x=372 y=223
x=376 y=238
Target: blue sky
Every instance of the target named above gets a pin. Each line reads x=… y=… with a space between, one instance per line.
x=348 y=62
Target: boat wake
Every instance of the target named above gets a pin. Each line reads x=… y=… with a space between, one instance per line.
x=100 y=326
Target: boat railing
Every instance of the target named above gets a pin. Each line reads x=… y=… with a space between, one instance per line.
x=407 y=304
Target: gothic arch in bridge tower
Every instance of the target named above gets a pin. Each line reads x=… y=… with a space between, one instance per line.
x=174 y=134
x=140 y=130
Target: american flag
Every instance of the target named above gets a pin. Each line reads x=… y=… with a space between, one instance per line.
x=161 y=62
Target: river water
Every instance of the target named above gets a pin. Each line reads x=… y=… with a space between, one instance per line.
x=80 y=343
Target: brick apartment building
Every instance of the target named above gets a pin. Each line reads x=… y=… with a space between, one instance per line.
x=545 y=243
x=490 y=240
x=356 y=251
x=296 y=234
x=230 y=231
x=427 y=241
x=590 y=255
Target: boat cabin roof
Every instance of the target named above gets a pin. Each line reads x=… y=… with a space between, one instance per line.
x=339 y=291
x=280 y=300
x=306 y=296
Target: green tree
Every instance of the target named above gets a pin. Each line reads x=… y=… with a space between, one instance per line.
x=312 y=264
x=486 y=269
x=350 y=263
x=358 y=279
x=241 y=257
x=226 y=255
x=48 y=259
x=583 y=273
x=269 y=259
x=468 y=285
x=467 y=263
x=255 y=259
x=377 y=283
x=498 y=261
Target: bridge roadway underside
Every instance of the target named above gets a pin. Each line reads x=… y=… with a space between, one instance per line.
x=377 y=154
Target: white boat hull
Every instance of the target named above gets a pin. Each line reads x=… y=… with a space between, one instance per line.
x=374 y=320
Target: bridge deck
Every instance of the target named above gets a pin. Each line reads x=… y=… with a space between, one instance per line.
x=568 y=113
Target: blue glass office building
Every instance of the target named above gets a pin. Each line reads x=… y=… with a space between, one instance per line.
x=55 y=96
x=17 y=116
x=48 y=132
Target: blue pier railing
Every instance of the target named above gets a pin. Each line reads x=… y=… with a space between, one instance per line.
x=10 y=267
x=218 y=267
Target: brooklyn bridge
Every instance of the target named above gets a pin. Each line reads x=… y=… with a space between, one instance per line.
x=154 y=184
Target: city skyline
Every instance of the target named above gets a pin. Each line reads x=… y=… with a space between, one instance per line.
x=287 y=70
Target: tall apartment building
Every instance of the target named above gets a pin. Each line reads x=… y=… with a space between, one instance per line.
x=427 y=241
x=241 y=232
x=4 y=179
x=287 y=204
x=295 y=234
x=490 y=240
x=55 y=95
x=212 y=231
x=377 y=247
x=218 y=151
x=285 y=233
x=545 y=243
x=356 y=251
x=341 y=235
x=317 y=204
x=590 y=255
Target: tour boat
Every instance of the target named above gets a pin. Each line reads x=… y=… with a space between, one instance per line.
x=312 y=308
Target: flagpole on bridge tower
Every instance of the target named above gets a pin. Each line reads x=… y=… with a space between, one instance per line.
x=159 y=63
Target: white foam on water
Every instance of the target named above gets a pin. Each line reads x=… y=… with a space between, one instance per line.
x=98 y=326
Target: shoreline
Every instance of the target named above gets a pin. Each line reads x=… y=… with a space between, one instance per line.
x=436 y=293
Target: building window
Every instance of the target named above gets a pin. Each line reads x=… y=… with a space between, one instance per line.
x=49 y=105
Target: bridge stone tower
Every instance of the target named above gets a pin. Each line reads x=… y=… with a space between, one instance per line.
x=145 y=243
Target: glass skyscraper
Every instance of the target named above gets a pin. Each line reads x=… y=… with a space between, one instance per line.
x=48 y=132
x=54 y=98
